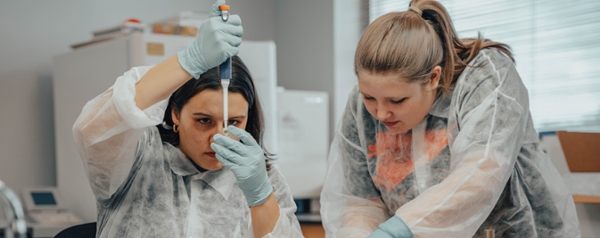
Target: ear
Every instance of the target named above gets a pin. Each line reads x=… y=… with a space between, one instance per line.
x=175 y=116
x=436 y=74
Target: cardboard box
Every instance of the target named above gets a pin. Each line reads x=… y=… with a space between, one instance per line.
x=173 y=29
x=582 y=150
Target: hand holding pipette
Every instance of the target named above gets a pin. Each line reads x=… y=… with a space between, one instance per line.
x=216 y=41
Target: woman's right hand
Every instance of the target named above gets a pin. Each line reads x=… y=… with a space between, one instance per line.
x=246 y=159
x=216 y=41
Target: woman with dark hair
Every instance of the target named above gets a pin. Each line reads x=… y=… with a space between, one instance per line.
x=437 y=140
x=180 y=177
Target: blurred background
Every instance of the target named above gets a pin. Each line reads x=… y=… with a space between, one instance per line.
x=556 y=45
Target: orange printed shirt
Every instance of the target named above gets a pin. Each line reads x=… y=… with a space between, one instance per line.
x=394 y=155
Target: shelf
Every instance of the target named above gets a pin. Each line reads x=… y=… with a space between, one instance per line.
x=586 y=199
x=312 y=230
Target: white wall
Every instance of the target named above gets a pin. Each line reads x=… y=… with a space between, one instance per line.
x=350 y=20
x=304 y=38
x=33 y=32
x=315 y=47
x=26 y=130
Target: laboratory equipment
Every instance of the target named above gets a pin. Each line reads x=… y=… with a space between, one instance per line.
x=225 y=74
x=82 y=74
x=15 y=219
x=46 y=212
x=304 y=140
x=225 y=86
x=127 y=27
x=46 y=206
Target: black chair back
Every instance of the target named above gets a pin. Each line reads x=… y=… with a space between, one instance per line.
x=87 y=230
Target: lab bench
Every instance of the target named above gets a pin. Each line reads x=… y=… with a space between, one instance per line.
x=311 y=226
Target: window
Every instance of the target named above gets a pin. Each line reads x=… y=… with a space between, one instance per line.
x=556 y=45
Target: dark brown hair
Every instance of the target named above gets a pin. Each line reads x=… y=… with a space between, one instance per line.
x=413 y=42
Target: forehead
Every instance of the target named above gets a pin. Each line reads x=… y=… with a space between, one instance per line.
x=385 y=85
x=211 y=102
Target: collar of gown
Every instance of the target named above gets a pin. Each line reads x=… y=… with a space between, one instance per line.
x=441 y=105
x=221 y=180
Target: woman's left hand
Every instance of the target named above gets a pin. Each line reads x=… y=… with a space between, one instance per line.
x=246 y=160
x=392 y=228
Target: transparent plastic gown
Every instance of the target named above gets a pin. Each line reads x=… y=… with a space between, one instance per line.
x=147 y=188
x=473 y=163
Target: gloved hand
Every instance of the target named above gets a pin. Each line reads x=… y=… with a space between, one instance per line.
x=392 y=228
x=215 y=42
x=246 y=160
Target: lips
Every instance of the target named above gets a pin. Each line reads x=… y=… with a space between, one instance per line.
x=211 y=154
x=390 y=124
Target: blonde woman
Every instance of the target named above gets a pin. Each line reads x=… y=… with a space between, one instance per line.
x=437 y=140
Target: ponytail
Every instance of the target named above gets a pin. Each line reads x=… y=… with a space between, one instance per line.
x=413 y=42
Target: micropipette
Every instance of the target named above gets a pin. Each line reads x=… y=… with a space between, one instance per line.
x=225 y=73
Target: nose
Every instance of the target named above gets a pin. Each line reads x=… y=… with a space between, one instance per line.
x=382 y=112
x=216 y=130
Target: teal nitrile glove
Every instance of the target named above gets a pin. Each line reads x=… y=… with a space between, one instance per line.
x=215 y=42
x=246 y=160
x=392 y=228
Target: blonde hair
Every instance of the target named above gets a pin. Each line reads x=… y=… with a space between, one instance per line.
x=413 y=42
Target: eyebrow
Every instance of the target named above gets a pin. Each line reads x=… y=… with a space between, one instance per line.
x=388 y=98
x=361 y=92
x=206 y=115
x=201 y=114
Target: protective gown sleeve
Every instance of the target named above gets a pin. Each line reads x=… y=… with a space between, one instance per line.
x=287 y=225
x=350 y=203
x=487 y=121
x=108 y=129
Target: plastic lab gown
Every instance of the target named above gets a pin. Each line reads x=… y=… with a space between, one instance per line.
x=147 y=188
x=473 y=163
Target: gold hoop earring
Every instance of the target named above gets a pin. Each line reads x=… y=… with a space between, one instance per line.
x=175 y=128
